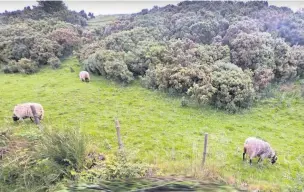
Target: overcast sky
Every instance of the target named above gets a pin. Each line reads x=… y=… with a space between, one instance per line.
x=122 y=6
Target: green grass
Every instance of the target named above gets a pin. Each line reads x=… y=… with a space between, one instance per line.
x=157 y=129
x=102 y=20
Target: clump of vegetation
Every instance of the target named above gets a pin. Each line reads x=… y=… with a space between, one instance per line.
x=234 y=88
x=122 y=165
x=109 y=64
x=40 y=164
x=54 y=62
x=25 y=66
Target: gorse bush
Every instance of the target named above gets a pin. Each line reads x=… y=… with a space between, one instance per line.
x=68 y=38
x=262 y=78
x=54 y=62
x=297 y=59
x=234 y=88
x=251 y=51
x=25 y=66
x=109 y=64
x=286 y=63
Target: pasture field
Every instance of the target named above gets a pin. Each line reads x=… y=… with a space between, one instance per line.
x=159 y=131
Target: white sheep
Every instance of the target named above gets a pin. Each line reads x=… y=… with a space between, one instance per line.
x=255 y=147
x=23 y=111
x=84 y=76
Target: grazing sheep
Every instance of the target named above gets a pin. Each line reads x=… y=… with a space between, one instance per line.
x=23 y=111
x=84 y=76
x=255 y=147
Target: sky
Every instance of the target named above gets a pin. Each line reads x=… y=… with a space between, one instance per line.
x=121 y=6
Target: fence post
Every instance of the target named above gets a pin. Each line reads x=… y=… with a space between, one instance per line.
x=37 y=121
x=205 y=149
x=117 y=125
x=35 y=115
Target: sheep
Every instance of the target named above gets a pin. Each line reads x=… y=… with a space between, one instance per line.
x=255 y=147
x=23 y=111
x=84 y=76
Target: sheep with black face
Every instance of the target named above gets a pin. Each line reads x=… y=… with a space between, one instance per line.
x=84 y=76
x=23 y=111
x=255 y=147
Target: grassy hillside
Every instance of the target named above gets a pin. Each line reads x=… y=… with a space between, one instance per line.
x=158 y=130
x=101 y=20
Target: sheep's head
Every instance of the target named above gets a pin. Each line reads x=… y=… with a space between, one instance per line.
x=15 y=118
x=274 y=157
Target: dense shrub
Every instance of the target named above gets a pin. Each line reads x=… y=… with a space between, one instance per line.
x=67 y=38
x=24 y=65
x=291 y=29
x=109 y=64
x=286 y=69
x=145 y=55
x=297 y=59
x=234 y=88
x=262 y=78
x=89 y=49
x=127 y=40
x=54 y=62
x=251 y=51
x=179 y=79
x=43 y=49
x=244 y=26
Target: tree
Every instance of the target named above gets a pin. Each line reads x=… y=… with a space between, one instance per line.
x=83 y=14
x=52 y=6
x=91 y=15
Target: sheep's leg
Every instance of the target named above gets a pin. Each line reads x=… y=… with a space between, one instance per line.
x=244 y=154
x=31 y=119
x=260 y=159
x=250 y=161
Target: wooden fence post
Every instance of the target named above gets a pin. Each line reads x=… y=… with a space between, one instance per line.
x=117 y=125
x=205 y=149
x=35 y=115
x=37 y=121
